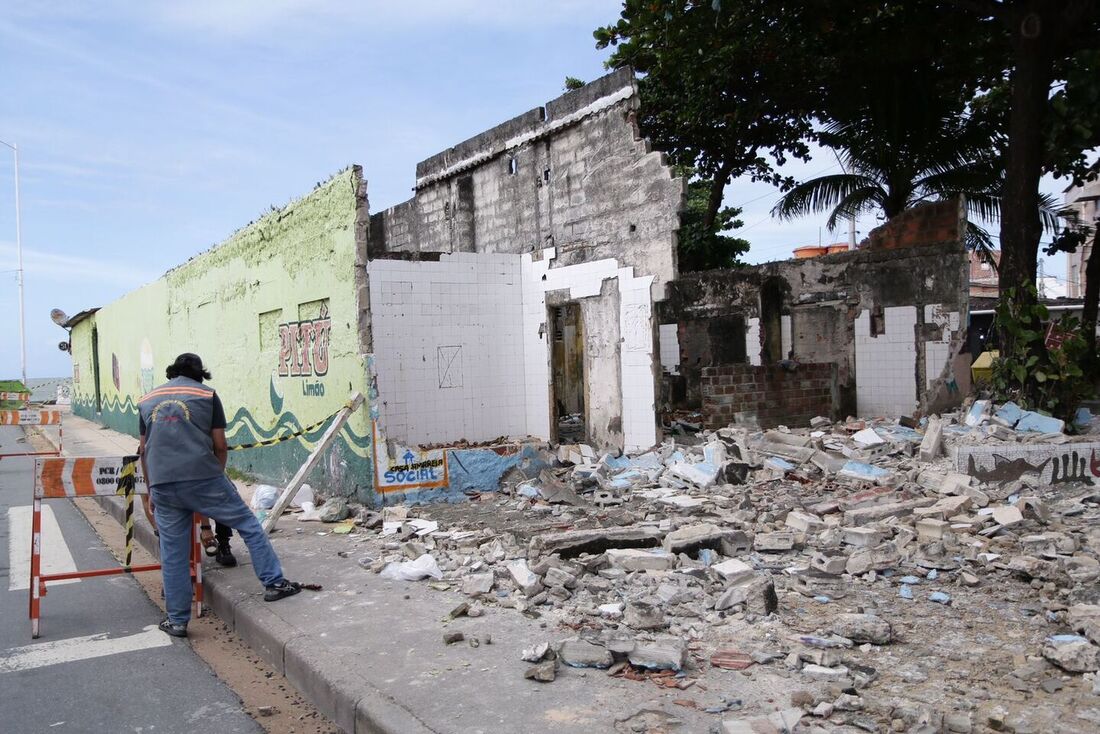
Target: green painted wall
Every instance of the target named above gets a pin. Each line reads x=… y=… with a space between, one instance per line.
x=274 y=313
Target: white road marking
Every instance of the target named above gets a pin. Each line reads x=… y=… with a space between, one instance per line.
x=73 y=649
x=56 y=557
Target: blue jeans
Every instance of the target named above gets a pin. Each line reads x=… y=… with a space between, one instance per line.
x=174 y=506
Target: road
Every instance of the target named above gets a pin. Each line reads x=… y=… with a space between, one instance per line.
x=100 y=664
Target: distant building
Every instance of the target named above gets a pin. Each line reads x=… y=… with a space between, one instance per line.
x=1083 y=200
x=801 y=253
x=983 y=275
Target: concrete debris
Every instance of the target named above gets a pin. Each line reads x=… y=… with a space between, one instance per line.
x=800 y=554
x=861 y=628
x=931 y=445
x=578 y=653
x=757 y=595
x=536 y=653
x=632 y=559
x=1072 y=653
x=524 y=579
x=664 y=653
x=644 y=616
x=544 y=672
x=477 y=584
x=733 y=571
x=775 y=542
x=780 y=722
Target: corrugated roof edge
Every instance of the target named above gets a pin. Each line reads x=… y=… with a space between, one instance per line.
x=74 y=320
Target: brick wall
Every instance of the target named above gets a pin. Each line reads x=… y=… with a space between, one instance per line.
x=769 y=393
x=926 y=224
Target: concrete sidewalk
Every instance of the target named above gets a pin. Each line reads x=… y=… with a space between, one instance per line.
x=369 y=653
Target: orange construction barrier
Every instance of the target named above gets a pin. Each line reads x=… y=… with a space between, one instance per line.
x=29 y=417
x=65 y=478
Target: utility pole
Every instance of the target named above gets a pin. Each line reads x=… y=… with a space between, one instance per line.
x=19 y=272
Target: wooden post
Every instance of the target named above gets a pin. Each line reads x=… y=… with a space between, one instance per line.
x=330 y=434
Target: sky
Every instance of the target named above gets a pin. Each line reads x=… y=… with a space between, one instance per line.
x=150 y=131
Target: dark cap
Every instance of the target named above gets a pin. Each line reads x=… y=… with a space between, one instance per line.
x=188 y=365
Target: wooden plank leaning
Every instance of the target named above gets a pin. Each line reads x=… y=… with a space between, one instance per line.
x=330 y=434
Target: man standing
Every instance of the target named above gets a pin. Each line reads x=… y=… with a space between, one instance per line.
x=183 y=453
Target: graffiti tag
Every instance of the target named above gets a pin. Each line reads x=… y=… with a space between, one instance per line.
x=1072 y=468
x=1078 y=463
x=303 y=346
x=1004 y=470
x=409 y=468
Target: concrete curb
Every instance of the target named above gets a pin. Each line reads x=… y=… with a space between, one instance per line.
x=324 y=678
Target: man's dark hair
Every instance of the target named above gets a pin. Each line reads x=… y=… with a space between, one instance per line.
x=187 y=365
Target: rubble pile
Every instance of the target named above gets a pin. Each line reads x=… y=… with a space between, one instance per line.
x=852 y=559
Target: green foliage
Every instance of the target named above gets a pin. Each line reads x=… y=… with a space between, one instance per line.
x=1073 y=125
x=714 y=95
x=1029 y=373
x=738 y=87
x=703 y=247
x=572 y=82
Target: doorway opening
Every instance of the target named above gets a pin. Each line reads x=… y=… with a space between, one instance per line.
x=567 y=373
x=771 y=321
x=95 y=370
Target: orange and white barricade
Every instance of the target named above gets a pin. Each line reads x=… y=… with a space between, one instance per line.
x=66 y=478
x=33 y=417
x=19 y=397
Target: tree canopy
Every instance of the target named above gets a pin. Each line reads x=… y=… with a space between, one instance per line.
x=703 y=246
x=735 y=88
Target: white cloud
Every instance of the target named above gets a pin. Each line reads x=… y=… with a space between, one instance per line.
x=54 y=268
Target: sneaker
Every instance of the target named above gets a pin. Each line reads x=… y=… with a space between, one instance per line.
x=225 y=556
x=281 y=590
x=176 y=630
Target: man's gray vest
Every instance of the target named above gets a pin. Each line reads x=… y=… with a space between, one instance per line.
x=178 y=445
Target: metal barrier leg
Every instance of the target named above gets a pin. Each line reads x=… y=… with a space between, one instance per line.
x=36 y=560
x=196 y=561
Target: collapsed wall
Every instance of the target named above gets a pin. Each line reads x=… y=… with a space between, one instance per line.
x=562 y=207
x=890 y=318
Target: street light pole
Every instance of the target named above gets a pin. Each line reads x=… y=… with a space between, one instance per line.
x=19 y=273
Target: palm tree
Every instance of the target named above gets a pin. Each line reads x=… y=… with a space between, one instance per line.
x=894 y=160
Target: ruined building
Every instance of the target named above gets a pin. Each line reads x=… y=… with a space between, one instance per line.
x=528 y=288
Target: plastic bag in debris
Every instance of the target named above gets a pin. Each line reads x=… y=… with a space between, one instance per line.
x=421 y=568
x=265 y=497
x=302 y=496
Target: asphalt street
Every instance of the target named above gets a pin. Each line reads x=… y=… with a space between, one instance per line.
x=100 y=664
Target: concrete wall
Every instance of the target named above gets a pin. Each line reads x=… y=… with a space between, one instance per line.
x=462 y=348
x=275 y=312
x=573 y=175
x=892 y=320
x=573 y=188
x=449 y=348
